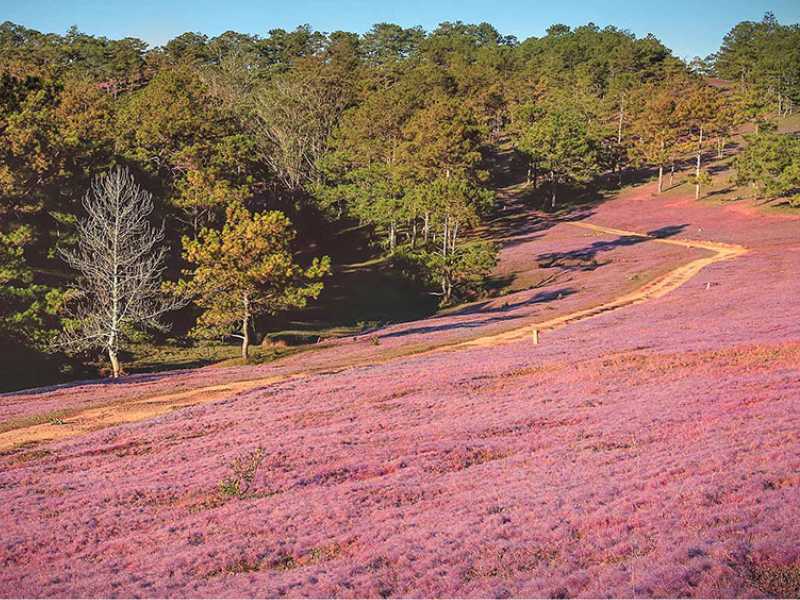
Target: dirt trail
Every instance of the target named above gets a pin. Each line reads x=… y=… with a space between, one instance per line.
x=128 y=411
x=147 y=408
x=656 y=288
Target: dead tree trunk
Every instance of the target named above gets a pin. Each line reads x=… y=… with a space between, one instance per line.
x=697 y=169
x=246 y=329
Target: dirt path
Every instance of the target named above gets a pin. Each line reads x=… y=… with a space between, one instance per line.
x=147 y=408
x=654 y=289
x=127 y=412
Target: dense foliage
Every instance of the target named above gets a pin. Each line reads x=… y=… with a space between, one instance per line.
x=771 y=165
x=245 y=270
x=765 y=58
x=396 y=131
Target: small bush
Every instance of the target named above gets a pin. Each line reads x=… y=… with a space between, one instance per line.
x=244 y=470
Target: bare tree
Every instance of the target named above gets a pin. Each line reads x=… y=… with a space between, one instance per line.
x=294 y=116
x=120 y=261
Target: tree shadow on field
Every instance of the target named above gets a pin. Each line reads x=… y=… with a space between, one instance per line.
x=484 y=308
x=447 y=327
x=721 y=192
x=666 y=231
x=585 y=259
x=718 y=168
x=525 y=213
x=578 y=202
x=539 y=298
x=514 y=224
x=124 y=380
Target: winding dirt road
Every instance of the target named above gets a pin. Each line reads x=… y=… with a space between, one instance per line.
x=655 y=288
x=129 y=411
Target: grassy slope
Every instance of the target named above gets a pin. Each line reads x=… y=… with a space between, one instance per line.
x=652 y=451
x=723 y=189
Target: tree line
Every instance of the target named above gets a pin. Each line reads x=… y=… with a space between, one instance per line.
x=246 y=149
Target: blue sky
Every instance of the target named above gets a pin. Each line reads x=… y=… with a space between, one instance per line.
x=689 y=27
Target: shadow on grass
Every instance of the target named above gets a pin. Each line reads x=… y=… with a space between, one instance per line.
x=540 y=298
x=585 y=259
x=482 y=308
x=133 y=378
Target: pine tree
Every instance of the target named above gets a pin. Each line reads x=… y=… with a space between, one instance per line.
x=246 y=270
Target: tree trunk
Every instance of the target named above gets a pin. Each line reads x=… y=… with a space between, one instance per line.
x=392 y=237
x=621 y=116
x=671 y=173
x=246 y=330
x=445 y=236
x=112 y=356
x=660 y=178
x=697 y=169
x=426 y=228
x=113 y=339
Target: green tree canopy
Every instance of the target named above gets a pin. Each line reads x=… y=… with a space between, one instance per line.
x=771 y=164
x=246 y=270
x=561 y=144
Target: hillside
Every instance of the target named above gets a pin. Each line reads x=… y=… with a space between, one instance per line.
x=647 y=446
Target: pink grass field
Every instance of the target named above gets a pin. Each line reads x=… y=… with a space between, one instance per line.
x=649 y=451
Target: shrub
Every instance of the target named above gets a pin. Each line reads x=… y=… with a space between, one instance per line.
x=244 y=470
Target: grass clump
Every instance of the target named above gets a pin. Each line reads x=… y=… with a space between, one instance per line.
x=244 y=469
